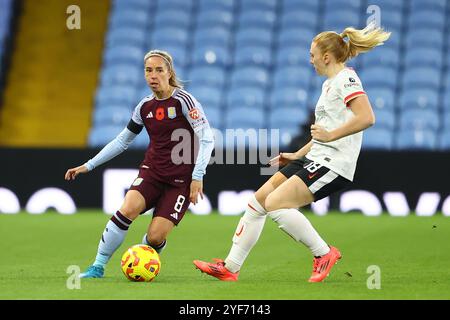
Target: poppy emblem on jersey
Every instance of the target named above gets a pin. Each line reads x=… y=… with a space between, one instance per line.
x=171 y=112
x=159 y=114
x=194 y=114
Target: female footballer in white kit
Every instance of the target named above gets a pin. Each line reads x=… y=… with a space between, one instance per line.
x=324 y=165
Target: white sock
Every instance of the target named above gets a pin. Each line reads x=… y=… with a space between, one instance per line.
x=246 y=235
x=112 y=237
x=296 y=225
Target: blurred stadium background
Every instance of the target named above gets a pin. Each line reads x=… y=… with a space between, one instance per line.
x=65 y=93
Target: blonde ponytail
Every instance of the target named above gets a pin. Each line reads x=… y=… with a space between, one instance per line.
x=359 y=41
x=364 y=40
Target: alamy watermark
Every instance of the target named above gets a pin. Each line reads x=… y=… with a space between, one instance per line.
x=73 y=21
x=73 y=281
x=374 y=280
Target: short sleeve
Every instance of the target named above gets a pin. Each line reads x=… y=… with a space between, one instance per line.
x=136 y=116
x=193 y=111
x=349 y=87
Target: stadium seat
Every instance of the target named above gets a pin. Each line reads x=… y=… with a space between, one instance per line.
x=293 y=55
x=244 y=118
x=209 y=97
x=422 y=77
x=123 y=54
x=380 y=77
x=214 y=18
x=377 y=138
x=292 y=37
x=427 y=18
x=446 y=100
x=222 y=5
x=382 y=56
x=445 y=120
x=169 y=17
x=178 y=37
x=336 y=5
x=423 y=57
x=266 y=5
x=113 y=95
x=289 y=97
x=178 y=5
x=120 y=5
x=249 y=76
x=112 y=115
x=419 y=5
x=419 y=119
x=122 y=74
x=304 y=5
x=295 y=76
x=251 y=97
x=381 y=98
x=253 y=37
x=424 y=38
x=128 y=18
x=444 y=140
x=99 y=136
x=338 y=20
x=207 y=75
x=126 y=36
x=300 y=19
x=416 y=140
x=214 y=116
x=214 y=36
x=257 y=18
x=385 y=118
x=253 y=55
x=287 y=134
x=179 y=55
x=211 y=55
x=287 y=117
x=388 y=5
x=392 y=20
x=419 y=99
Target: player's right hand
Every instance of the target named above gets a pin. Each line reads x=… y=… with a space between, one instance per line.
x=71 y=174
x=282 y=159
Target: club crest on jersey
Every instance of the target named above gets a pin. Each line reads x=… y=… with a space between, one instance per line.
x=171 y=112
x=194 y=114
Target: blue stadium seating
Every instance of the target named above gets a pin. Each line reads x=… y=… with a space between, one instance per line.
x=180 y=5
x=381 y=77
x=299 y=19
x=141 y=141
x=245 y=118
x=250 y=76
x=385 y=118
x=253 y=55
x=427 y=18
x=416 y=140
x=446 y=120
x=145 y=5
x=444 y=140
x=419 y=120
x=214 y=36
x=350 y=5
x=112 y=115
x=123 y=55
x=304 y=5
x=214 y=116
x=294 y=37
x=179 y=37
x=417 y=5
x=211 y=55
x=257 y=18
x=251 y=97
x=423 y=57
x=266 y=5
x=424 y=38
x=289 y=97
x=99 y=136
x=383 y=56
x=296 y=76
x=287 y=134
x=293 y=55
x=422 y=77
x=222 y=5
x=388 y=5
x=378 y=138
x=128 y=18
x=126 y=36
x=338 y=20
x=287 y=117
x=207 y=75
x=391 y=20
x=209 y=97
x=122 y=74
x=381 y=98
x=446 y=100
x=418 y=99
x=115 y=95
x=172 y=18
x=253 y=37
x=214 y=18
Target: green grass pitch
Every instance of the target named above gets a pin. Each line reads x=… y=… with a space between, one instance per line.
x=411 y=252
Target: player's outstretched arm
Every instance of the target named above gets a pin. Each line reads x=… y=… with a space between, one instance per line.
x=72 y=173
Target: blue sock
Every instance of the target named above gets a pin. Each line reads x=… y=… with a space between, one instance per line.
x=112 y=237
x=158 y=248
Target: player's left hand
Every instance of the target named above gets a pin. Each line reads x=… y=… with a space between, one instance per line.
x=196 y=189
x=320 y=134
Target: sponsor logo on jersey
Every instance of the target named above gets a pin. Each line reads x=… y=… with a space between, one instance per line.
x=194 y=114
x=351 y=79
x=150 y=115
x=171 y=112
x=159 y=113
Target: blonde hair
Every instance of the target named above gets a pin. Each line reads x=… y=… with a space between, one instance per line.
x=173 y=81
x=359 y=41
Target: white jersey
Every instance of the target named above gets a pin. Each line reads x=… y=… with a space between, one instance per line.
x=332 y=112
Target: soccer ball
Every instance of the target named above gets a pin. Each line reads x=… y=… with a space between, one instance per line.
x=140 y=263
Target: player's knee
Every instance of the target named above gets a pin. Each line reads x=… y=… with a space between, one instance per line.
x=155 y=239
x=129 y=211
x=272 y=202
